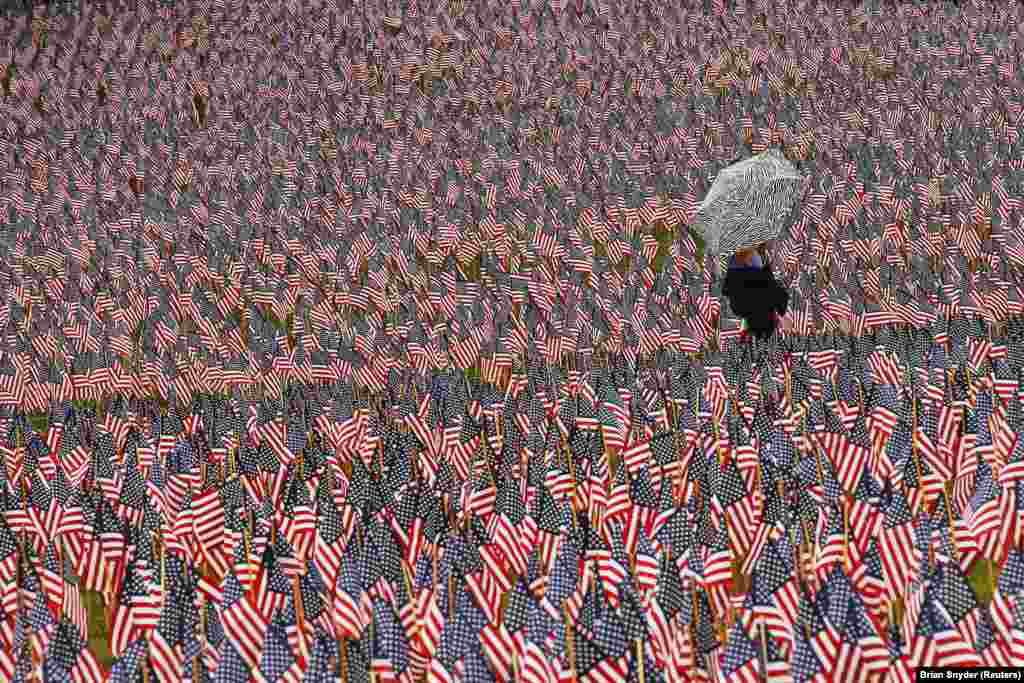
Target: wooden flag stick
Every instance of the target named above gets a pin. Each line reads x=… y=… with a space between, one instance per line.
x=300 y=617
x=817 y=460
x=718 y=445
x=952 y=526
x=451 y=595
x=202 y=637
x=407 y=575
x=789 y=386
x=373 y=674
x=764 y=649
x=797 y=560
x=681 y=488
x=846 y=534
x=696 y=604
x=640 y=659
x=109 y=594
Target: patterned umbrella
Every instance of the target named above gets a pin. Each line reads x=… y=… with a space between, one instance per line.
x=746 y=204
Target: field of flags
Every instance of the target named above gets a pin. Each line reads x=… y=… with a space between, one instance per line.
x=358 y=343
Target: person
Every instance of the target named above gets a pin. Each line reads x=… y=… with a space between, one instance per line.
x=747 y=258
x=754 y=294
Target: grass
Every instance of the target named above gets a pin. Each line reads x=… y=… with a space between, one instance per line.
x=665 y=237
x=471 y=268
x=99 y=633
x=38 y=422
x=983 y=578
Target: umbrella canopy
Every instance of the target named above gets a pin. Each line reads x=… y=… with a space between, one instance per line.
x=746 y=204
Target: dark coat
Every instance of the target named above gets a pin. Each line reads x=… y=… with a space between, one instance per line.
x=756 y=296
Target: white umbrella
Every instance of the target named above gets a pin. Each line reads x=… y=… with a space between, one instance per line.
x=747 y=203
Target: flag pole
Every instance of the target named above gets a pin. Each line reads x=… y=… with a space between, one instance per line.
x=407 y=575
x=373 y=674
x=846 y=533
x=300 y=617
x=817 y=460
x=681 y=488
x=718 y=444
x=451 y=594
x=202 y=637
x=789 y=384
x=696 y=609
x=797 y=559
x=949 y=519
x=764 y=649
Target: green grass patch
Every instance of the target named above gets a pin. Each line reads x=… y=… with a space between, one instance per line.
x=471 y=268
x=665 y=237
x=39 y=422
x=983 y=578
x=99 y=635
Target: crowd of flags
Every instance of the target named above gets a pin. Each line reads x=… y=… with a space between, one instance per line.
x=814 y=511
x=373 y=345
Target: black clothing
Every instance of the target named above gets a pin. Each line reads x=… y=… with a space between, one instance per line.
x=756 y=296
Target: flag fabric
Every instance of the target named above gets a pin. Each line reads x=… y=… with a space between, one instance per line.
x=287 y=424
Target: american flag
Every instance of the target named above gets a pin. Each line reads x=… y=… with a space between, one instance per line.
x=425 y=293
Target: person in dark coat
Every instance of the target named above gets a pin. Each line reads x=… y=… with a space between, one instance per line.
x=754 y=294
